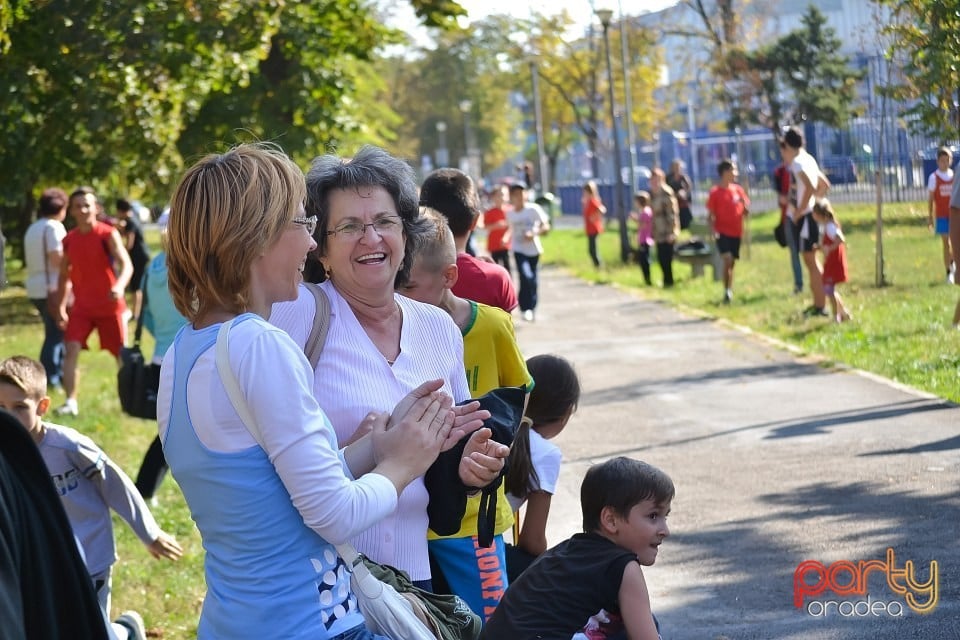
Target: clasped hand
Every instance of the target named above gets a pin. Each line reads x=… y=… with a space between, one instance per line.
x=483 y=458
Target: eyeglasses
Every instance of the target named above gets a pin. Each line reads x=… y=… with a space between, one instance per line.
x=310 y=223
x=356 y=229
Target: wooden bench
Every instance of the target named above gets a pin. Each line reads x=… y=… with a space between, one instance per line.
x=698 y=259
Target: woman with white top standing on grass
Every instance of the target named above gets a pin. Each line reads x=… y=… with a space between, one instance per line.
x=273 y=493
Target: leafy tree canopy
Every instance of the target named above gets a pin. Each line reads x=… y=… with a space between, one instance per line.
x=925 y=43
x=799 y=77
x=120 y=94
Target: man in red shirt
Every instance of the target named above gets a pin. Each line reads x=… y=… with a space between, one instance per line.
x=451 y=192
x=498 y=229
x=727 y=205
x=98 y=268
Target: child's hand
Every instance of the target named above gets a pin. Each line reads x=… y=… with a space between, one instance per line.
x=483 y=459
x=165 y=546
x=467 y=418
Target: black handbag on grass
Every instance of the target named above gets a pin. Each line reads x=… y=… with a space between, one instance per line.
x=138 y=380
x=779 y=234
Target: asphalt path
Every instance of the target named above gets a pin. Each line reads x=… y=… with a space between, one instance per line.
x=777 y=459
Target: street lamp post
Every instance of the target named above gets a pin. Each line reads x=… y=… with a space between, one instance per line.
x=443 y=158
x=605 y=16
x=471 y=170
x=538 y=123
x=627 y=99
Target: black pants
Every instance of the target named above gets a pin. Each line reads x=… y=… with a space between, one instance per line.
x=643 y=257
x=502 y=258
x=152 y=470
x=527 y=270
x=665 y=258
x=592 y=246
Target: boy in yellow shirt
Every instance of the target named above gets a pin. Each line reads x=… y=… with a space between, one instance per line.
x=492 y=359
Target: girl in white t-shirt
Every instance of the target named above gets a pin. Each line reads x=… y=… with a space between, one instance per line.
x=534 y=460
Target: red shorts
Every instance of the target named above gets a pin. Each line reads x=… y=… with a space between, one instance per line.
x=111 y=329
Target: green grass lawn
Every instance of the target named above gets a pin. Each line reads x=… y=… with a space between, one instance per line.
x=901 y=331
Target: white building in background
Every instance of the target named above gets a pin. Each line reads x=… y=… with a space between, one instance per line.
x=857 y=23
x=688 y=90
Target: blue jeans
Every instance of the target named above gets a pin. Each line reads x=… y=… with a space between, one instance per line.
x=527 y=270
x=52 y=351
x=790 y=232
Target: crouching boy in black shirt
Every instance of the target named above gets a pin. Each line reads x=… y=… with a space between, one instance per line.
x=592 y=585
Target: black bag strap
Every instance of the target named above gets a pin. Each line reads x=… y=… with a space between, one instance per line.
x=143 y=305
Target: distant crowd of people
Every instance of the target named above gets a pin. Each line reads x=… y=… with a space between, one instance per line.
x=809 y=226
x=322 y=340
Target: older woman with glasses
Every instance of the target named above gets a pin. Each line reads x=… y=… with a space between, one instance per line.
x=270 y=490
x=380 y=345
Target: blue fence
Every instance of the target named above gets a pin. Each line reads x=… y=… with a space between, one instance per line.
x=850 y=157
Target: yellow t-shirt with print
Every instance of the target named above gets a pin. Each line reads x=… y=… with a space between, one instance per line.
x=492 y=359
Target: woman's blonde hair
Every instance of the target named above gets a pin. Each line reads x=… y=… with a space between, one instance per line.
x=225 y=211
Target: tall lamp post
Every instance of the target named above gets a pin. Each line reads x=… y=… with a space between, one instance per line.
x=443 y=157
x=627 y=99
x=465 y=106
x=605 y=16
x=538 y=123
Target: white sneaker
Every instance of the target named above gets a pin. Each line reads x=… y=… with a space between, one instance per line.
x=528 y=315
x=133 y=623
x=69 y=408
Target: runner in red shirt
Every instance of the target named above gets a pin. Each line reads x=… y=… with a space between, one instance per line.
x=98 y=268
x=452 y=193
x=498 y=229
x=727 y=205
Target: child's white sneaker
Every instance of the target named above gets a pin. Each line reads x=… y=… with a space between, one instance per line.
x=133 y=623
x=69 y=408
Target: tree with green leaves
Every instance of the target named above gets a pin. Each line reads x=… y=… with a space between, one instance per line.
x=798 y=78
x=118 y=93
x=463 y=68
x=925 y=39
x=574 y=81
x=97 y=92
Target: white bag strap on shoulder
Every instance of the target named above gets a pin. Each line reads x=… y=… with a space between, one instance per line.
x=321 y=322
x=230 y=384
x=363 y=579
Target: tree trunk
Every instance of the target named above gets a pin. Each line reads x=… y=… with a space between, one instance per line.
x=15 y=219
